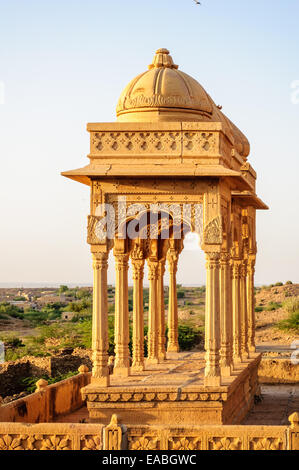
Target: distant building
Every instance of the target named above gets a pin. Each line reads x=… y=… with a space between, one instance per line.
x=67 y=316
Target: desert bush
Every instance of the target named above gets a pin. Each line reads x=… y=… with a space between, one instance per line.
x=259 y=308
x=12 y=310
x=278 y=284
x=289 y=282
x=290 y=323
x=188 y=336
x=29 y=383
x=272 y=306
x=11 y=341
x=291 y=305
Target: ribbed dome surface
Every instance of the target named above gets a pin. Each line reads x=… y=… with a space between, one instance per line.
x=162 y=88
x=164 y=93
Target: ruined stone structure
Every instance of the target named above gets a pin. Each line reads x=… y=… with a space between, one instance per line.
x=172 y=163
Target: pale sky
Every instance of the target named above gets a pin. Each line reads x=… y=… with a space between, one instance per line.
x=64 y=63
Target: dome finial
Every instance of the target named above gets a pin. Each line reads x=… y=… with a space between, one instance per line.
x=162 y=59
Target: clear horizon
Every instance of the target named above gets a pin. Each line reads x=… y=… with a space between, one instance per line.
x=65 y=63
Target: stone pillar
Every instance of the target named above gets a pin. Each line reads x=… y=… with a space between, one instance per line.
x=152 y=344
x=236 y=266
x=250 y=302
x=212 y=320
x=138 y=322
x=100 y=372
x=121 y=333
x=173 y=343
x=243 y=311
x=161 y=312
x=225 y=314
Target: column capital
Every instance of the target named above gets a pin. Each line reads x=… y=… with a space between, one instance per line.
x=121 y=261
x=137 y=265
x=100 y=258
x=225 y=258
x=236 y=268
x=243 y=266
x=251 y=264
x=212 y=259
x=172 y=259
x=152 y=269
x=161 y=267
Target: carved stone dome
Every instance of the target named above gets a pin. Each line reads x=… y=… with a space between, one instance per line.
x=163 y=93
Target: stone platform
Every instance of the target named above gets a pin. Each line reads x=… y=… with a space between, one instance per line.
x=173 y=393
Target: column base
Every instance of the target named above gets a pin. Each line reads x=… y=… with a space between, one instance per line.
x=175 y=404
x=101 y=381
x=152 y=360
x=173 y=348
x=121 y=371
x=245 y=356
x=137 y=367
x=237 y=360
x=162 y=357
x=226 y=371
x=212 y=381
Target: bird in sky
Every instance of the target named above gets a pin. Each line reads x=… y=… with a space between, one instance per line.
x=197 y=3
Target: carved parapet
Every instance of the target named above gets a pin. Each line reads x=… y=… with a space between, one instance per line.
x=113 y=435
x=154 y=142
x=293 y=431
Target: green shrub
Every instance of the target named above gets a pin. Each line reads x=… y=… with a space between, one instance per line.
x=29 y=383
x=291 y=304
x=188 y=336
x=278 y=284
x=289 y=282
x=12 y=310
x=290 y=323
x=259 y=308
x=272 y=306
x=11 y=341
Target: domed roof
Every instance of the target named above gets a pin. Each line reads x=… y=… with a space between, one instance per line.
x=164 y=88
x=164 y=93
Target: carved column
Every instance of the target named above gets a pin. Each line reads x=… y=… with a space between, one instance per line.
x=121 y=333
x=152 y=345
x=236 y=266
x=138 y=322
x=225 y=314
x=250 y=302
x=243 y=311
x=100 y=372
x=161 y=311
x=173 y=343
x=212 y=320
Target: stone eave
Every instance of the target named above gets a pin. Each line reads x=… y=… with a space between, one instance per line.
x=247 y=198
x=83 y=175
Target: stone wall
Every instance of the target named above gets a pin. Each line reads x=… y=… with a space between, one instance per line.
x=45 y=405
x=76 y=436
x=12 y=372
x=278 y=371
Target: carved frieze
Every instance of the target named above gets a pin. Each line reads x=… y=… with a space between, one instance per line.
x=213 y=232
x=154 y=142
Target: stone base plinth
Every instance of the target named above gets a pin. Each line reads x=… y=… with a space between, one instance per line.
x=173 y=393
